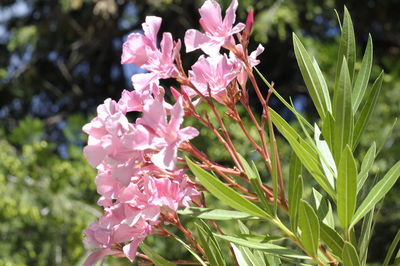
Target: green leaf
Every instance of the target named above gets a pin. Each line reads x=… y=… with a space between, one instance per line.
x=397 y=259
x=215 y=214
x=240 y=256
x=377 y=193
x=346 y=187
x=274 y=164
x=155 y=258
x=328 y=127
x=251 y=259
x=366 y=165
x=325 y=156
x=363 y=75
x=392 y=248
x=332 y=239
x=343 y=113
x=367 y=109
x=272 y=260
x=209 y=244
x=385 y=135
x=313 y=78
x=255 y=180
x=289 y=106
x=339 y=21
x=349 y=255
x=347 y=46
x=309 y=226
x=225 y=193
x=365 y=236
x=197 y=257
x=306 y=153
x=324 y=209
x=266 y=247
x=295 y=190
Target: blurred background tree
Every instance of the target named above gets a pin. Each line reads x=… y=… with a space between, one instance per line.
x=59 y=59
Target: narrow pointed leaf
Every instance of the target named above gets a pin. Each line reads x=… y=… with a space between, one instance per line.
x=247 y=253
x=360 y=86
x=306 y=153
x=324 y=209
x=377 y=193
x=385 y=136
x=313 y=78
x=250 y=258
x=366 y=165
x=274 y=164
x=343 y=113
x=338 y=18
x=295 y=190
x=240 y=256
x=266 y=247
x=197 y=257
x=347 y=46
x=309 y=226
x=225 y=193
x=346 y=187
x=215 y=214
x=324 y=86
x=209 y=244
x=392 y=248
x=256 y=183
x=365 y=236
x=328 y=126
x=332 y=239
x=325 y=156
x=367 y=109
x=155 y=258
x=349 y=255
x=290 y=107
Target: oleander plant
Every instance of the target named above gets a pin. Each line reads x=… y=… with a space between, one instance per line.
x=154 y=178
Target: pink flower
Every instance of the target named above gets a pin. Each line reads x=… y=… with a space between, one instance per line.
x=252 y=61
x=214 y=74
x=168 y=134
x=218 y=32
x=138 y=48
x=134 y=214
x=142 y=51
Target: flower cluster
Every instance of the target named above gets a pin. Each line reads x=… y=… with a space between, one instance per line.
x=138 y=178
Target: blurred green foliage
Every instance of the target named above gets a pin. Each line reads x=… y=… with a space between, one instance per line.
x=46 y=201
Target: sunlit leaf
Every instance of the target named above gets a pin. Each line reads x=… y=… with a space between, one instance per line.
x=225 y=193
x=346 y=187
x=266 y=247
x=254 y=177
x=306 y=153
x=313 y=78
x=377 y=193
x=215 y=214
x=366 y=165
x=347 y=46
x=365 y=236
x=349 y=255
x=155 y=258
x=324 y=209
x=367 y=109
x=326 y=158
x=295 y=190
x=209 y=244
x=360 y=86
x=309 y=226
x=332 y=239
x=342 y=113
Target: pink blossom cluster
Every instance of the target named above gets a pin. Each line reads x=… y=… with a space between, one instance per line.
x=137 y=175
x=138 y=179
